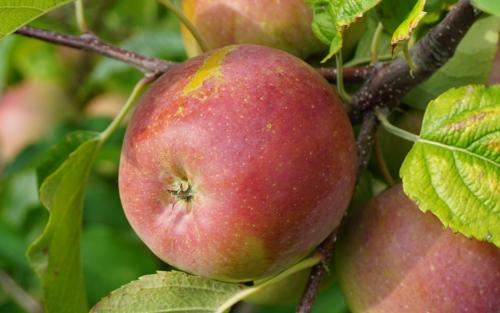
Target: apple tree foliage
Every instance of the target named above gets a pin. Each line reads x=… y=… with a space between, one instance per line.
x=453 y=169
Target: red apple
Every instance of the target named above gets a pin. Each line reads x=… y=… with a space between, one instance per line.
x=395 y=258
x=28 y=111
x=282 y=24
x=237 y=163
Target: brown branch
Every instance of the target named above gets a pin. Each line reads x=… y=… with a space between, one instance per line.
x=388 y=84
x=391 y=82
x=351 y=74
x=89 y=42
x=149 y=65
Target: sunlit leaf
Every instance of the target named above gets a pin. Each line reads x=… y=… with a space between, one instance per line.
x=453 y=170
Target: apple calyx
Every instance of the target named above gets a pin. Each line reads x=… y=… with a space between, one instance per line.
x=181 y=190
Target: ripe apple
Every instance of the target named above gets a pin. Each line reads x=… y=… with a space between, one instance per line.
x=237 y=163
x=283 y=25
x=28 y=111
x=395 y=258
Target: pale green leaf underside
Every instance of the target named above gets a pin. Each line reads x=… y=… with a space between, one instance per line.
x=488 y=6
x=16 y=13
x=454 y=168
x=55 y=255
x=178 y=292
x=471 y=64
x=331 y=17
x=404 y=31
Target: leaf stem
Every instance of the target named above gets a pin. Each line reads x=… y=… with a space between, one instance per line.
x=340 y=79
x=307 y=263
x=395 y=130
x=376 y=43
x=190 y=26
x=129 y=104
x=80 y=17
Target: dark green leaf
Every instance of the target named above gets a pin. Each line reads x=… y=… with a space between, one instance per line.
x=112 y=259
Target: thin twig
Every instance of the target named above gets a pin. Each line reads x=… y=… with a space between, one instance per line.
x=386 y=87
x=351 y=74
x=391 y=82
x=89 y=42
x=317 y=272
x=202 y=43
x=150 y=65
x=18 y=294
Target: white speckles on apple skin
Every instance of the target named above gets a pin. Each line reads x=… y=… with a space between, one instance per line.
x=273 y=159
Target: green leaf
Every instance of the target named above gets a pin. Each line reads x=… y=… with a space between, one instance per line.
x=488 y=6
x=55 y=255
x=16 y=13
x=453 y=170
x=177 y=292
x=331 y=17
x=362 y=54
x=159 y=43
x=471 y=64
x=411 y=21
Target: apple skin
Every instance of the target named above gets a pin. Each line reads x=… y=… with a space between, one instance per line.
x=395 y=258
x=284 y=25
x=28 y=111
x=237 y=163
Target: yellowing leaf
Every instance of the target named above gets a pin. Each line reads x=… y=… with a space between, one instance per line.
x=453 y=169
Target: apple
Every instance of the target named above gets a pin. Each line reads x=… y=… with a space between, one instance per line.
x=284 y=25
x=28 y=111
x=395 y=258
x=237 y=163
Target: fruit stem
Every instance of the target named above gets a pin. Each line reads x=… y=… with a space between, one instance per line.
x=190 y=26
x=80 y=17
x=376 y=43
x=340 y=79
x=136 y=92
x=382 y=165
x=382 y=117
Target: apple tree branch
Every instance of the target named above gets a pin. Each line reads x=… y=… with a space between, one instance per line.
x=385 y=88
